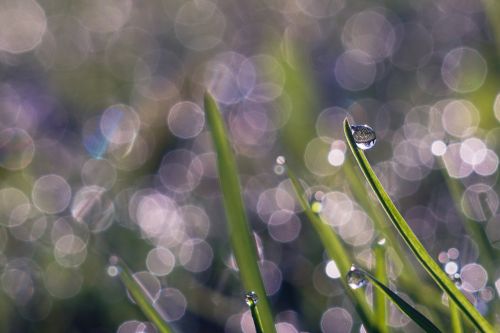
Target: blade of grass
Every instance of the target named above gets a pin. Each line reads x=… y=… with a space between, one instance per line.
x=412 y=241
x=242 y=241
x=404 y=306
x=140 y=296
x=251 y=301
x=379 y=305
x=456 y=324
x=336 y=251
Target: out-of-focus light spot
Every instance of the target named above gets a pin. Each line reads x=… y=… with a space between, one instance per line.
x=496 y=107
x=321 y=8
x=438 y=148
x=337 y=208
x=497 y=286
x=336 y=320
x=359 y=231
x=283 y=327
x=332 y=270
x=196 y=255
x=473 y=151
x=414 y=48
x=160 y=261
x=453 y=253
x=23 y=24
x=99 y=173
x=70 y=251
x=14 y=207
x=104 y=16
x=227 y=79
x=474 y=277
x=336 y=156
x=120 y=124
x=454 y=165
x=186 y=120
x=16 y=149
x=62 y=282
x=451 y=267
x=267 y=76
x=92 y=207
x=51 y=194
x=370 y=32
x=135 y=326
x=65 y=46
x=271 y=275
x=464 y=69
x=480 y=202
x=460 y=118
x=18 y=285
x=181 y=171
x=355 y=70
x=171 y=304
x=316 y=158
x=284 y=226
x=199 y=25
x=112 y=271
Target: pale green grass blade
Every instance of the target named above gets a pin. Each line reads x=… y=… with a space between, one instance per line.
x=379 y=303
x=412 y=241
x=140 y=296
x=242 y=240
x=456 y=324
x=404 y=306
x=336 y=251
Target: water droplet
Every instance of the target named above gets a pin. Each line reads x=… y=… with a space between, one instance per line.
x=279 y=168
x=364 y=136
x=356 y=278
x=381 y=241
x=251 y=298
x=280 y=160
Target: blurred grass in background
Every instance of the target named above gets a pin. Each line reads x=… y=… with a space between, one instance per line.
x=104 y=150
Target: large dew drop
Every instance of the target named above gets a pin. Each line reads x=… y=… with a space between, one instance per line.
x=364 y=136
x=356 y=278
x=251 y=298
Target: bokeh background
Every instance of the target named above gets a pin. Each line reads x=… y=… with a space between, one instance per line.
x=104 y=150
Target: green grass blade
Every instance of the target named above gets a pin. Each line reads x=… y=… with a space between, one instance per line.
x=139 y=295
x=242 y=241
x=336 y=251
x=251 y=299
x=409 y=310
x=456 y=324
x=379 y=304
x=412 y=241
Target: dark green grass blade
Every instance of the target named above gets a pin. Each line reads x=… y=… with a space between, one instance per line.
x=140 y=297
x=409 y=310
x=242 y=241
x=379 y=303
x=336 y=251
x=412 y=241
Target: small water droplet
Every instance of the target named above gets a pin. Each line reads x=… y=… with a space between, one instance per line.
x=280 y=160
x=251 y=298
x=364 y=136
x=279 y=167
x=381 y=241
x=356 y=278
x=456 y=279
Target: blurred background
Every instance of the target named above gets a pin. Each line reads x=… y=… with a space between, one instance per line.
x=104 y=150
